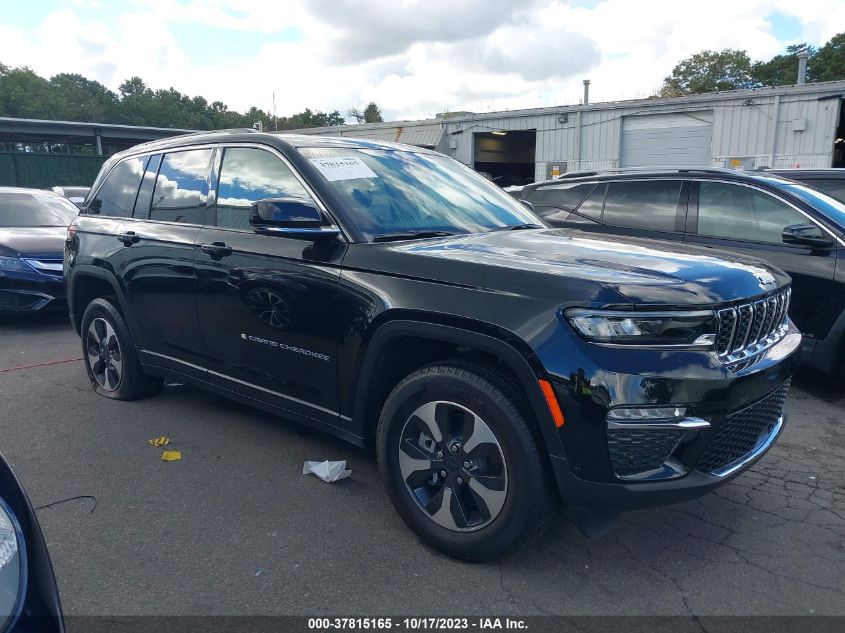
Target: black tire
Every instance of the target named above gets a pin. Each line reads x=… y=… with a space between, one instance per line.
x=102 y=323
x=530 y=499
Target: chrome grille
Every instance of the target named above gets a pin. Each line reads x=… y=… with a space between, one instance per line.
x=751 y=327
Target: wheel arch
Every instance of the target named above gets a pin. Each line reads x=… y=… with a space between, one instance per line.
x=86 y=284
x=522 y=365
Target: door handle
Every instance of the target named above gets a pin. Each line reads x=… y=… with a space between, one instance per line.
x=129 y=238
x=216 y=250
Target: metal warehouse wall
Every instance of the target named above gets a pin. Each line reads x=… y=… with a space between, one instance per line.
x=19 y=169
x=760 y=125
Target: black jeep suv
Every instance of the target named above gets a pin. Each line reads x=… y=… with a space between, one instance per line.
x=755 y=213
x=393 y=297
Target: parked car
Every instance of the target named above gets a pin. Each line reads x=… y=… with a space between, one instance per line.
x=793 y=226
x=395 y=298
x=29 y=600
x=831 y=181
x=33 y=226
x=74 y=194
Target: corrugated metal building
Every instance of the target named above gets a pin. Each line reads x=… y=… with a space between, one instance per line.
x=783 y=126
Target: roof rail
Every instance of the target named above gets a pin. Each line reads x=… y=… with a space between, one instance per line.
x=233 y=130
x=582 y=173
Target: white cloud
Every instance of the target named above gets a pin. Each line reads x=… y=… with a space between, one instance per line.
x=413 y=57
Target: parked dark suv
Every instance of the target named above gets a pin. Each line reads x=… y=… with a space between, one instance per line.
x=393 y=297
x=795 y=227
x=830 y=181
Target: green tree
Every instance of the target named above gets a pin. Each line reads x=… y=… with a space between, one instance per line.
x=25 y=95
x=709 y=71
x=828 y=64
x=372 y=113
x=72 y=97
x=781 y=70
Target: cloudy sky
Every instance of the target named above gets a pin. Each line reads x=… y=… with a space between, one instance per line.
x=414 y=58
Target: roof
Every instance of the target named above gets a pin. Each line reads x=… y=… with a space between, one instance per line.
x=28 y=190
x=657 y=172
x=422 y=133
x=832 y=88
x=827 y=172
x=249 y=135
x=37 y=129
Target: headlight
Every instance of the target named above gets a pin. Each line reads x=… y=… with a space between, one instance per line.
x=10 y=566
x=696 y=330
x=12 y=263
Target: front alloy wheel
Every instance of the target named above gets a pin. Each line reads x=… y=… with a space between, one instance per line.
x=460 y=462
x=104 y=355
x=453 y=466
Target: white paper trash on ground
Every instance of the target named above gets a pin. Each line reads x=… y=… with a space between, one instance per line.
x=327 y=471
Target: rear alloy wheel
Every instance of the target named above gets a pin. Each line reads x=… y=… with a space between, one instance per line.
x=461 y=464
x=104 y=355
x=109 y=354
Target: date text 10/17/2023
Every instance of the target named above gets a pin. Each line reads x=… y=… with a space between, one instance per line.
x=417 y=624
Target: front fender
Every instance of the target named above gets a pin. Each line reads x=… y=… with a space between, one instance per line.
x=525 y=367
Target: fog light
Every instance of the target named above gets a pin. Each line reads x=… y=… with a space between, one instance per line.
x=653 y=418
x=639 y=413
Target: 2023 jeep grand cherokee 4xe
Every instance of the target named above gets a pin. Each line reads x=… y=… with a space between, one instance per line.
x=394 y=297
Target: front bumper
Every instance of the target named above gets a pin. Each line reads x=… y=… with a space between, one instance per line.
x=742 y=409
x=31 y=292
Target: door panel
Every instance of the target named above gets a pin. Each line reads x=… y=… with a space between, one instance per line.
x=747 y=221
x=267 y=303
x=160 y=282
x=267 y=312
x=159 y=271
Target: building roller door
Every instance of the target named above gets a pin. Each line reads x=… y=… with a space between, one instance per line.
x=667 y=140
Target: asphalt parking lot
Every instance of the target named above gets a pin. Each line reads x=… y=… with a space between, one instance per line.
x=235 y=528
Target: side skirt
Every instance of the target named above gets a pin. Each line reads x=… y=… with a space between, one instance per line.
x=171 y=374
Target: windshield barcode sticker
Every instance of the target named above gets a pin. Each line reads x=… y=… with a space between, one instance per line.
x=343 y=168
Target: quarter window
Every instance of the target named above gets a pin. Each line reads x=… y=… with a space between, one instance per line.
x=248 y=175
x=742 y=213
x=591 y=207
x=116 y=196
x=182 y=187
x=643 y=204
x=565 y=196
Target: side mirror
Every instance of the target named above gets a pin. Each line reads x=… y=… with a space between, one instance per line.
x=290 y=217
x=806 y=235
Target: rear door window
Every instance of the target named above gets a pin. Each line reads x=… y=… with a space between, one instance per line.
x=116 y=196
x=181 y=189
x=643 y=204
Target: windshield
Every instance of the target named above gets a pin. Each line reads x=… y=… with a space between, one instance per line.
x=20 y=208
x=396 y=191
x=831 y=207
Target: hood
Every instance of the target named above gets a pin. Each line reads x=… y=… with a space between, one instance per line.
x=644 y=272
x=34 y=240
